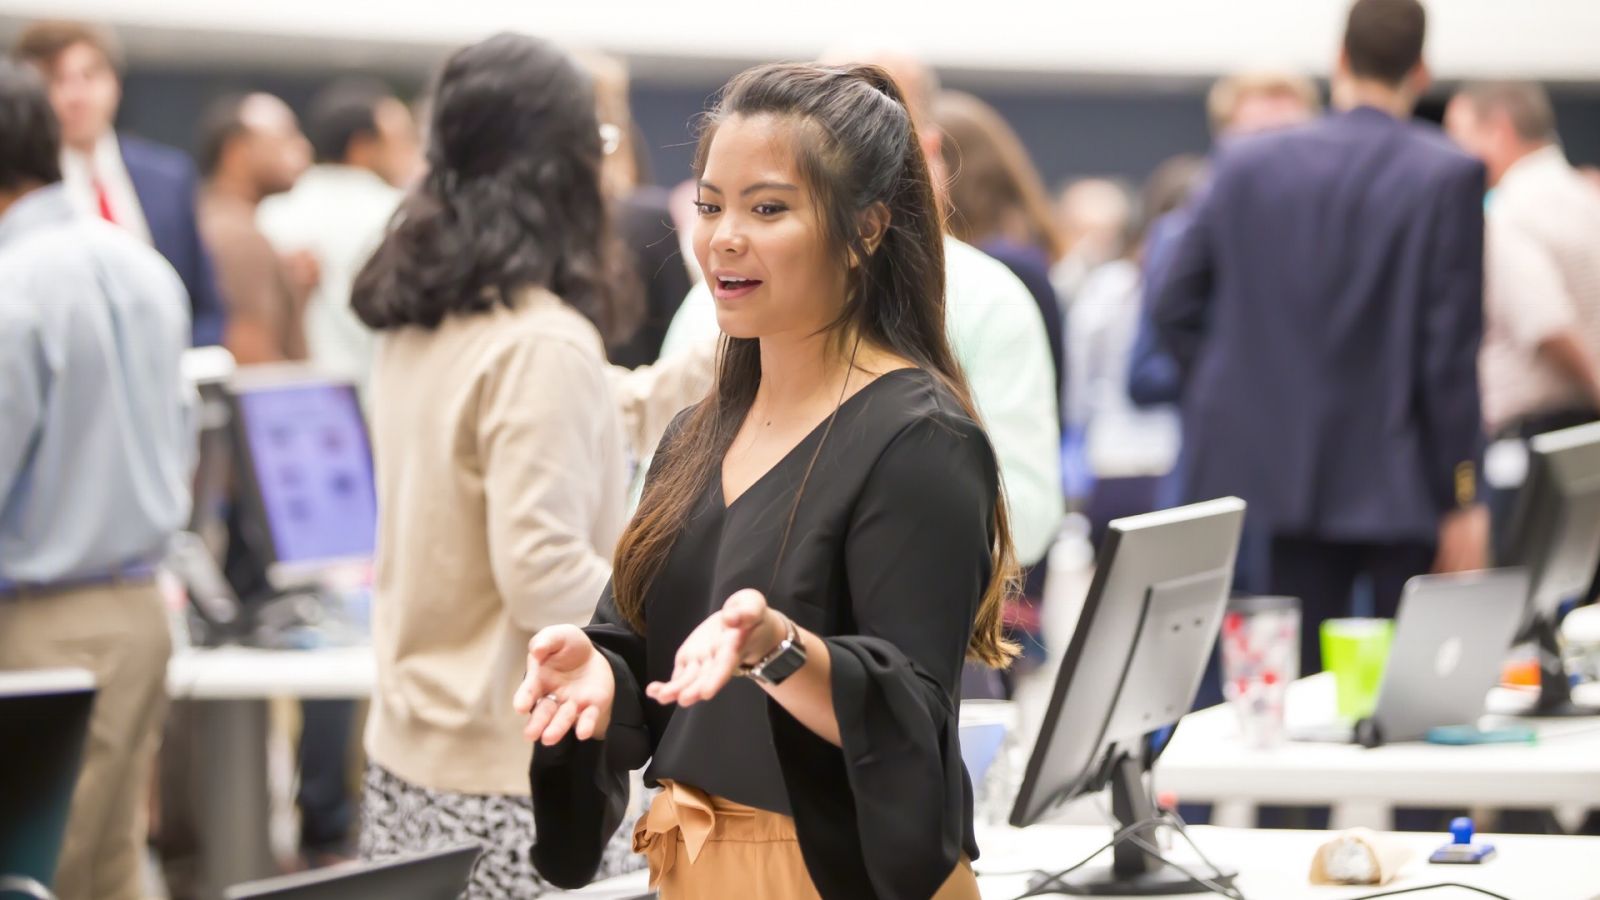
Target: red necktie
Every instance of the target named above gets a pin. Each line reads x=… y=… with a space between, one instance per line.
x=103 y=201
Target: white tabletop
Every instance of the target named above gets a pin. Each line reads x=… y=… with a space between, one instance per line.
x=1207 y=760
x=1273 y=865
x=244 y=673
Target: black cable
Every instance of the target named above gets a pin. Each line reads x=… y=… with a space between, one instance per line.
x=1171 y=818
x=1234 y=894
x=1215 y=887
x=1118 y=837
x=1176 y=821
x=1431 y=887
x=1040 y=889
x=1183 y=830
x=1053 y=884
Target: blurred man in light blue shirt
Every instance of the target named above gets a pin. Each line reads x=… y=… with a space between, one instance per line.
x=96 y=437
x=96 y=448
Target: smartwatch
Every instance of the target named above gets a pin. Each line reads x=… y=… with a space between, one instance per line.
x=781 y=662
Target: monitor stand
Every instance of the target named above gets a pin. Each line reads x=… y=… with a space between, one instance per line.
x=219 y=618
x=1134 y=871
x=1555 y=687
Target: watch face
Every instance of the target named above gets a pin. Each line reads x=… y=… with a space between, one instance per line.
x=790 y=657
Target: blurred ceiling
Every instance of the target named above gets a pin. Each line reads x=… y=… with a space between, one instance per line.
x=1017 y=41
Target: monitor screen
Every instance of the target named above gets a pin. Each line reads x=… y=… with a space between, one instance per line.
x=1555 y=532
x=306 y=447
x=1138 y=651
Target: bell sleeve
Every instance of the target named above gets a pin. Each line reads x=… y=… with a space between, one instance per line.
x=918 y=561
x=580 y=788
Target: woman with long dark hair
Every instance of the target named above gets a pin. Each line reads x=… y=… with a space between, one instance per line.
x=500 y=464
x=827 y=524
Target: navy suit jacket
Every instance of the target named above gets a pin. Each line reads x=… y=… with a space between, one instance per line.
x=1325 y=309
x=166 y=183
x=1153 y=375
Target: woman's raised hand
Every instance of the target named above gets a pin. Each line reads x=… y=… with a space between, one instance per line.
x=569 y=687
x=742 y=632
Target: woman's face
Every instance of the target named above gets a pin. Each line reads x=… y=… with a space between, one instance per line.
x=759 y=235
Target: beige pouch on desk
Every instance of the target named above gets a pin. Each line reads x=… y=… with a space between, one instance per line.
x=1358 y=856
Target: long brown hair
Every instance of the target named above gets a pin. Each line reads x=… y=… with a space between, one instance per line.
x=855 y=146
x=995 y=190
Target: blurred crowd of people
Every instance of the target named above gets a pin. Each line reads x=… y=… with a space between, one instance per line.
x=1330 y=314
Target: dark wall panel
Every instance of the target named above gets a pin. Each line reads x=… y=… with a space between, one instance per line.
x=1070 y=132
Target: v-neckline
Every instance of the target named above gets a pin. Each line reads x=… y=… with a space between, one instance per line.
x=722 y=490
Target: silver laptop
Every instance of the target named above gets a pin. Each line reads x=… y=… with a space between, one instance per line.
x=440 y=875
x=1451 y=636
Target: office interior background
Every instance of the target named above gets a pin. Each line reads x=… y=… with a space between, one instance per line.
x=1091 y=88
x=1094 y=90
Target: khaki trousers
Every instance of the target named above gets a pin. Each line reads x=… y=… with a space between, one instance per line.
x=118 y=632
x=704 y=847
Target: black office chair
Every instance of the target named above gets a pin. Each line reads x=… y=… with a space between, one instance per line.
x=44 y=717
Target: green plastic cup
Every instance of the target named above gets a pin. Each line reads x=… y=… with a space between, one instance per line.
x=1356 y=652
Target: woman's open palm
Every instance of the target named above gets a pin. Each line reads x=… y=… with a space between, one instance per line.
x=713 y=652
x=569 y=687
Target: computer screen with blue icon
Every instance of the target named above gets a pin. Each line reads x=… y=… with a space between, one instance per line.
x=308 y=467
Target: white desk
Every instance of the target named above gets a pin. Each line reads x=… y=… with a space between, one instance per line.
x=1208 y=761
x=1273 y=865
x=243 y=673
x=228 y=688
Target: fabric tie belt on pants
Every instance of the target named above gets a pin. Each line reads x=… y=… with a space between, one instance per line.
x=704 y=847
x=683 y=819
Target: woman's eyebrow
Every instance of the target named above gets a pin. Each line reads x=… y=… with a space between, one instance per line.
x=758 y=186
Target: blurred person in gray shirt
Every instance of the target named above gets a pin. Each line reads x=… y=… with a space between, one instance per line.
x=95 y=458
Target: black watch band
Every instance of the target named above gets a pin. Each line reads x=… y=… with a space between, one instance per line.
x=782 y=661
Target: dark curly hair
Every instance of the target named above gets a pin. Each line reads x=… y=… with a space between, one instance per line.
x=511 y=198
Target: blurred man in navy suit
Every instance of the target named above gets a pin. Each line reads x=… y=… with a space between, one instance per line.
x=1325 y=309
x=147 y=188
x=1240 y=104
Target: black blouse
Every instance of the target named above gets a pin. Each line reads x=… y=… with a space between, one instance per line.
x=887 y=560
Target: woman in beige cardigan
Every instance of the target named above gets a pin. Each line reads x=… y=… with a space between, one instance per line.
x=500 y=461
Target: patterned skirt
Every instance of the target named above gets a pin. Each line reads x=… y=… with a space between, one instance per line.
x=399 y=818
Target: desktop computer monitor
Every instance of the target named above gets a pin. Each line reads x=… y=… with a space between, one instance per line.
x=44 y=717
x=196 y=554
x=208 y=370
x=1555 y=535
x=1153 y=612
x=305 y=470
